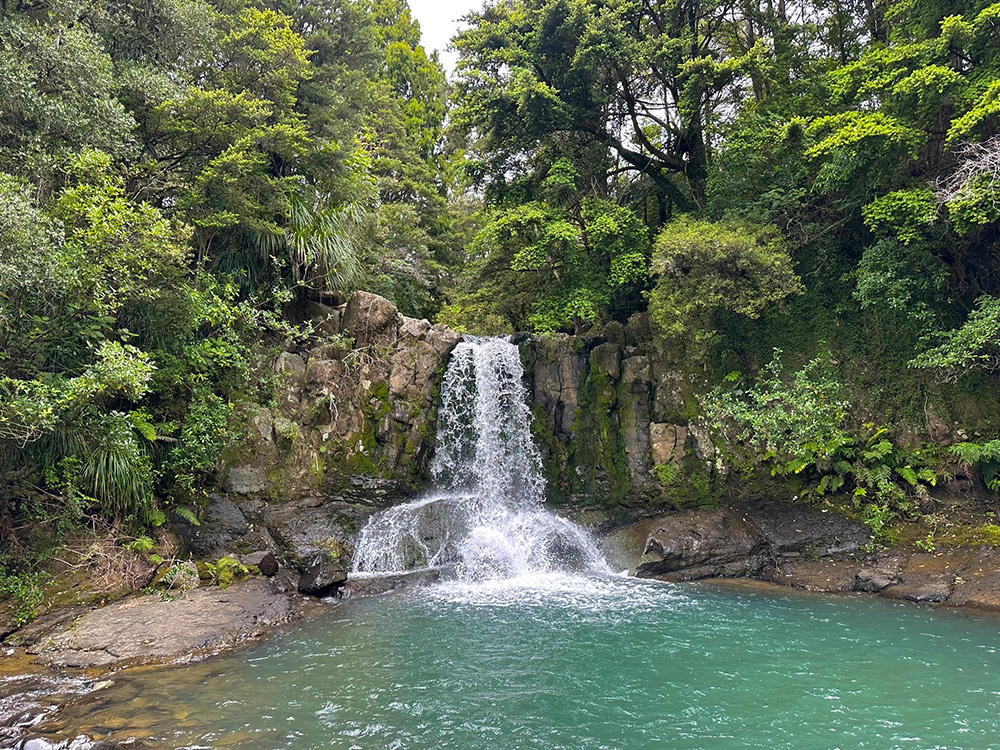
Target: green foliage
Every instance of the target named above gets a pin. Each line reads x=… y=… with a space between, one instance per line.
x=798 y=427
x=927 y=544
x=791 y=420
x=554 y=265
x=186 y=171
x=903 y=214
x=985 y=457
x=116 y=470
x=141 y=545
x=666 y=474
x=224 y=572
x=878 y=518
x=205 y=433
x=860 y=150
x=23 y=589
x=973 y=346
x=904 y=278
x=708 y=268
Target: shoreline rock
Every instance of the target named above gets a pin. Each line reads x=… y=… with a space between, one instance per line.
x=148 y=629
x=806 y=549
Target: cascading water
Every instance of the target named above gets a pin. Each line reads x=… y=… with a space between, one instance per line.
x=486 y=517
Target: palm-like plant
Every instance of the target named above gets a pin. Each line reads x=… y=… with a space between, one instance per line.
x=321 y=242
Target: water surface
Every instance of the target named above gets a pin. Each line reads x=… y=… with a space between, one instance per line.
x=559 y=661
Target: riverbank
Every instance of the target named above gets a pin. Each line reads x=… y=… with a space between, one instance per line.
x=75 y=651
x=807 y=548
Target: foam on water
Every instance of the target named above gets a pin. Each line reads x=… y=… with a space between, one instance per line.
x=485 y=517
x=576 y=594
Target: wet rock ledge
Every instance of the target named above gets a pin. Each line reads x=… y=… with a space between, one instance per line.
x=808 y=549
x=151 y=628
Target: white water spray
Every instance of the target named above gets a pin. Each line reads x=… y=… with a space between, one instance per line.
x=486 y=517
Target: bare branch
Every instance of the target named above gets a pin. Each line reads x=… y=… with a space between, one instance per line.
x=978 y=166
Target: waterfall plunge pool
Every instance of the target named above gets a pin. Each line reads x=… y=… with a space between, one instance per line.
x=569 y=661
x=536 y=645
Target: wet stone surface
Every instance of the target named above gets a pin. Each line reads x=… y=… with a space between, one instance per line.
x=152 y=628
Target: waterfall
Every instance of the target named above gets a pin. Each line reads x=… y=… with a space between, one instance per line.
x=485 y=516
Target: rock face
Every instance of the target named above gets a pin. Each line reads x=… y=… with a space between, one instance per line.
x=746 y=541
x=806 y=549
x=358 y=402
x=617 y=421
x=351 y=430
x=298 y=533
x=147 y=629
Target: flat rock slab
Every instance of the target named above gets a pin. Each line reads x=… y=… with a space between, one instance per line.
x=148 y=629
x=817 y=575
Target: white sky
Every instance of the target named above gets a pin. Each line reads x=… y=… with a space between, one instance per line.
x=439 y=22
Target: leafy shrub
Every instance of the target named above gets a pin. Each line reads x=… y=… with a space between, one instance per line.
x=23 y=589
x=985 y=457
x=706 y=268
x=201 y=441
x=797 y=426
x=973 y=346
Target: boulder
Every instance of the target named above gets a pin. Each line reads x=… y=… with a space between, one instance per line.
x=638 y=330
x=746 y=541
x=702 y=544
x=263 y=560
x=311 y=530
x=222 y=523
x=925 y=577
x=817 y=575
x=291 y=369
x=873 y=580
x=415 y=328
x=376 y=585
x=976 y=579
x=614 y=333
x=322 y=579
x=370 y=319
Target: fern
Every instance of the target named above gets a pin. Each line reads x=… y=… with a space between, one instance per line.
x=907 y=473
x=967 y=453
x=187 y=514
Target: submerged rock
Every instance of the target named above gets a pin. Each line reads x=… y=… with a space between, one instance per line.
x=359 y=586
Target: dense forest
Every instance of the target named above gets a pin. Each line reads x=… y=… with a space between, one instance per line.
x=804 y=196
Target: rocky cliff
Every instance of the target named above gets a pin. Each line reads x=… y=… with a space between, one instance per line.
x=351 y=429
x=617 y=422
x=359 y=402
